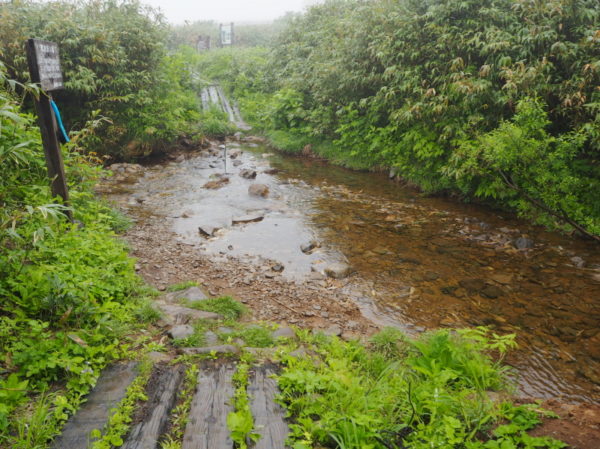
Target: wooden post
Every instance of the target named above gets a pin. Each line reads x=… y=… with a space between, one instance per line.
x=44 y=68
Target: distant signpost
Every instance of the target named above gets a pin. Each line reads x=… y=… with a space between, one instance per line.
x=203 y=43
x=226 y=34
x=44 y=68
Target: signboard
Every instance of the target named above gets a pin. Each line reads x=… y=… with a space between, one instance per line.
x=227 y=34
x=44 y=68
x=48 y=64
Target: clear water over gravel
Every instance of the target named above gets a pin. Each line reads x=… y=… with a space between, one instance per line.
x=419 y=262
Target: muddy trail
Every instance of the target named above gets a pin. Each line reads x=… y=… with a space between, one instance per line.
x=417 y=263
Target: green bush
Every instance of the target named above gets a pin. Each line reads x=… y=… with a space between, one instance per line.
x=433 y=393
x=114 y=60
x=67 y=291
x=494 y=100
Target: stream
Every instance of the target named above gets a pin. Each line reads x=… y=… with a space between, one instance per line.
x=420 y=262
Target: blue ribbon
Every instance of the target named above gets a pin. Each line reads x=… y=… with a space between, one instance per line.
x=59 y=122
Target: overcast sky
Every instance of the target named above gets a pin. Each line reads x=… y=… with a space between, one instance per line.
x=178 y=11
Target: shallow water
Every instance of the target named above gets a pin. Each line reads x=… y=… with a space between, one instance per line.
x=420 y=262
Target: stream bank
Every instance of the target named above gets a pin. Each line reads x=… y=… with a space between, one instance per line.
x=418 y=262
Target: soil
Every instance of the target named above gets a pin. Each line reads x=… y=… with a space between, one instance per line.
x=578 y=425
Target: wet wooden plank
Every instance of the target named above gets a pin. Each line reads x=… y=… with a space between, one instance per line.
x=155 y=415
x=207 y=422
x=268 y=416
x=93 y=414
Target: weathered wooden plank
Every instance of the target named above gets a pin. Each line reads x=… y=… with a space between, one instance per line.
x=93 y=414
x=268 y=416
x=207 y=422
x=155 y=416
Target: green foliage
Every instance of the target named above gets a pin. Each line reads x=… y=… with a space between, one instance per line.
x=431 y=393
x=67 y=291
x=537 y=174
x=225 y=306
x=254 y=335
x=492 y=99
x=182 y=286
x=114 y=61
x=215 y=123
x=389 y=342
x=240 y=422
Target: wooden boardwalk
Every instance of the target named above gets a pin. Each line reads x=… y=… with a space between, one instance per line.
x=268 y=415
x=207 y=420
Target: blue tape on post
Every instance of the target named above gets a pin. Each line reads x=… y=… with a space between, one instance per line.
x=59 y=122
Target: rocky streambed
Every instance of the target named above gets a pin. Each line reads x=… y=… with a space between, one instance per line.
x=306 y=243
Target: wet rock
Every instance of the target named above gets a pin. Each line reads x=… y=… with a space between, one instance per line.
x=249 y=218
x=380 y=250
x=334 y=330
x=431 y=276
x=589 y=372
x=248 y=174
x=211 y=338
x=238 y=135
x=216 y=349
x=237 y=163
x=174 y=314
x=350 y=336
x=258 y=190
x=409 y=260
x=158 y=357
x=283 y=332
x=578 y=261
x=448 y=322
x=180 y=331
x=309 y=247
x=278 y=268
x=315 y=276
x=472 y=285
x=192 y=294
x=207 y=230
x=491 y=291
x=271 y=171
x=299 y=353
x=216 y=184
x=233 y=154
x=338 y=270
x=504 y=279
x=262 y=353
x=523 y=243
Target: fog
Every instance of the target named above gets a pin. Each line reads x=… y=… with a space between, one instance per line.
x=180 y=11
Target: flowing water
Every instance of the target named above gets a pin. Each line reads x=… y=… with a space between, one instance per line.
x=420 y=262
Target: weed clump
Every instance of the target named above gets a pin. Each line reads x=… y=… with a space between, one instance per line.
x=400 y=393
x=225 y=306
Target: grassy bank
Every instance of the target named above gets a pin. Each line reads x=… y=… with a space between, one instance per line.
x=69 y=296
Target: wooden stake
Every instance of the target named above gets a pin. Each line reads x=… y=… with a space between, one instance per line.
x=49 y=131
